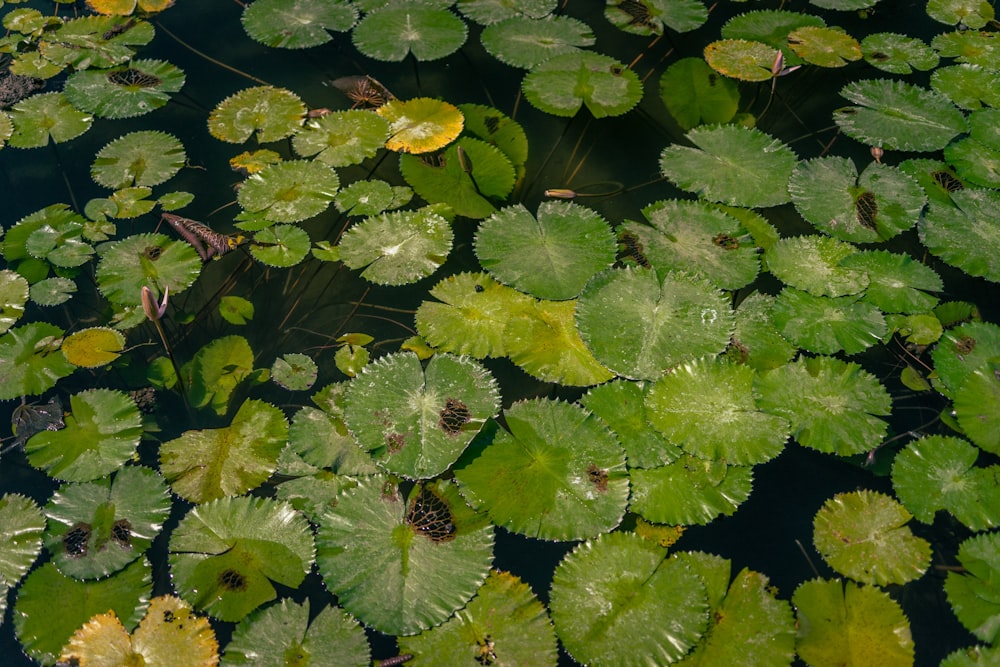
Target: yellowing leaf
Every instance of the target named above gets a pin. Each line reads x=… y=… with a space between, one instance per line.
x=101 y=642
x=421 y=125
x=94 y=347
x=126 y=7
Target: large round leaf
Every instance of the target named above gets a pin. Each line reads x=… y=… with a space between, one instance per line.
x=974 y=594
x=398 y=247
x=416 y=420
x=30 y=362
x=964 y=233
x=342 y=138
x=964 y=350
x=226 y=555
x=977 y=407
x=556 y=474
x=125 y=91
x=639 y=325
x=44 y=117
x=102 y=430
x=208 y=464
x=289 y=191
x=297 y=24
x=393 y=32
x=139 y=158
x=272 y=113
x=151 y=260
x=551 y=257
x=620 y=600
x=525 y=42
x=421 y=125
x=402 y=566
x=731 y=164
x=563 y=84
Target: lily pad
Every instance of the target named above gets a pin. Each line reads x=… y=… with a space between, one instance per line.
x=652 y=17
x=827 y=325
x=270 y=113
x=397 y=248
x=297 y=24
x=696 y=238
x=226 y=555
x=963 y=350
x=695 y=95
x=504 y=624
x=555 y=473
x=898 y=115
x=863 y=535
x=125 y=91
x=216 y=370
x=877 y=205
x=621 y=600
x=968 y=86
x=102 y=431
x=551 y=257
x=563 y=84
x=621 y=404
x=974 y=594
x=289 y=191
x=772 y=27
x=743 y=59
x=963 y=234
x=30 y=362
x=939 y=473
x=689 y=491
x=138 y=158
x=756 y=340
x=281 y=245
x=93 y=347
x=342 y=138
x=295 y=372
x=814 y=264
x=488 y=12
x=898 y=54
x=977 y=407
x=421 y=125
x=44 y=117
x=976 y=47
x=847 y=624
x=732 y=165
x=393 y=32
x=22 y=525
x=402 y=566
x=707 y=407
x=13 y=295
x=284 y=629
x=151 y=260
x=639 y=325
x=97 y=528
x=526 y=42
x=897 y=283
x=832 y=405
x=417 y=420
x=365 y=198
x=204 y=465
x=825 y=46
x=51 y=606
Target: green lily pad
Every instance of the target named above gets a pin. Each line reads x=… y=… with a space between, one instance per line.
x=102 y=431
x=695 y=95
x=974 y=594
x=204 y=465
x=696 y=238
x=832 y=405
x=151 y=260
x=51 y=606
x=270 y=113
x=936 y=178
x=689 y=491
x=976 y=47
x=898 y=54
x=652 y=17
x=97 y=528
x=295 y=372
x=397 y=248
x=471 y=315
x=504 y=624
x=825 y=46
x=897 y=283
x=235 y=309
x=289 y=191
x=558 y=473
x=44 y=117
x=93 y=347
x=365 y=198
x=621 y=404
x=963 y=350
x=226 y=555
x=847 y=624
x=297 y=24
x=138 y=158
x=939 y=473
x=621 y=600
x=22 y=526
x=877 y=205
x=322 y=440
x=968 y=86
x=421 y=125
x=963 y=234
x=551 y=257
x=526 y=42
x=488 y=12
x=95 y=41
x=639 y=325
x=468 y=181
x=272 y=634
x=970 y=13
x=392 y=32
x=342 y=138
x=281 y=245
x=216 y=370
x=731 y=164
x=60 y=243
x=13 y=295
x=402 y=566
x=771 y=27
x=52 y=291
x=756 y=340
x=563 y=84
x=827 y=325
x=898 y=115
x=124 y=91
x=977 y=407
x=814 y=264
x=497 y=129
x=743 y=59
x=415 y=420
x=863 y=535
x=30 y=362
x=707 y=407
x=972 y=656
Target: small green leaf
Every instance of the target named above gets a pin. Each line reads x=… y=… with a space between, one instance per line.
x=235 y=309
x=563 y=84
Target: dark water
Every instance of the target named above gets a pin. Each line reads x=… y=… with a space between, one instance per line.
x=766 y=532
